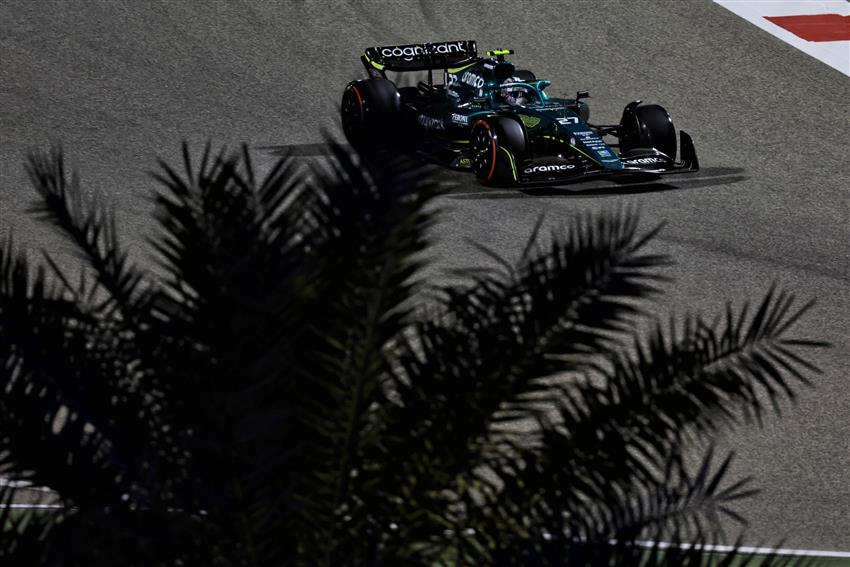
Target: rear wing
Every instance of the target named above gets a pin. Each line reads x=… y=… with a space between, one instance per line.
x=418 y=57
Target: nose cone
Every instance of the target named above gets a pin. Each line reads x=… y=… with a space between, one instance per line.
x=615 y=164
x=596 y=149
x=584 y=139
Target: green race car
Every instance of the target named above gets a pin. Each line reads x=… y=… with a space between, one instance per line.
x=497 y=120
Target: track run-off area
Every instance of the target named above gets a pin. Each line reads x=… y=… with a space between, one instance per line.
x=120 y=83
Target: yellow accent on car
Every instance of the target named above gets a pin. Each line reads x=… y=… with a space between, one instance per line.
x=572 y=146
x=584 y=154
x=459 y=69
x=496 y=52
x=530 y=121
x=510 y=157
x=561 y=140
x=373 y=63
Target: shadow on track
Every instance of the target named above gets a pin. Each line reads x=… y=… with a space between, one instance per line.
x=299 y=150
x=705 y=177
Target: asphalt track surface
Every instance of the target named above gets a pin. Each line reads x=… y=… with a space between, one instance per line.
x=119 y=83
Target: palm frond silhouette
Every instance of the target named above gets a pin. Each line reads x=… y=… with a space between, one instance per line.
x=275 y=392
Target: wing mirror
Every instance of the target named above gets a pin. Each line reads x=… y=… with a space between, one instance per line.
x=582 y=94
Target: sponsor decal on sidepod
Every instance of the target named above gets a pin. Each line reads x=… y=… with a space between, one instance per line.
x=472 y=80
x=434 y=123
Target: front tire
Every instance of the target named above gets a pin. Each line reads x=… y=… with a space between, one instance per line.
x=370 y=113
x=498 y=147
x=647 y=126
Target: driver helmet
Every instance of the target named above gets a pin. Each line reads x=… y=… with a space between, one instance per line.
x=515 y=96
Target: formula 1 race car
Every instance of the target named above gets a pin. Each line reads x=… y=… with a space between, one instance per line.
x=497 y=121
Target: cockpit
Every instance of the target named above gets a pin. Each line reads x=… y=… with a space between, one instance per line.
x=517 y=93
x=494 y=82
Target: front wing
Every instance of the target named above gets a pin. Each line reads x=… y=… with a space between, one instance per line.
x=649 y=162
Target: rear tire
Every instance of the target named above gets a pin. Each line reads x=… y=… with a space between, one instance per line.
x=647 y=126
x=370 y=113
x=498 y=147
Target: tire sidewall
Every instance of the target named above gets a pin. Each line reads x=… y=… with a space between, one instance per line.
x=370 y=113
x=508 y=146
x=648 y=126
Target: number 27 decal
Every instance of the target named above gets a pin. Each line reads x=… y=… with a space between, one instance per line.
x=568 y=120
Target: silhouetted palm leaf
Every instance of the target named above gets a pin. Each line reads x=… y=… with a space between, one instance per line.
x=278 y=394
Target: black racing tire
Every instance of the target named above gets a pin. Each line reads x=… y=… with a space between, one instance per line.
x=499 y=146
x=370 y=113
x=524 y=75
x=647 y=126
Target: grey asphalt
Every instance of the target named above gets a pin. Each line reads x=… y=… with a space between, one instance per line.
x=118 y=83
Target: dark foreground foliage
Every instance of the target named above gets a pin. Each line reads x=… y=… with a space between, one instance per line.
x=272 y=396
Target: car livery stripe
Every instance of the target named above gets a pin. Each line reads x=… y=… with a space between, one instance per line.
x=585 y=154
x=510 y=157
x=374 y=63
x=576 y=148
x=556 y=139
x=459 y=69
x=493 y=145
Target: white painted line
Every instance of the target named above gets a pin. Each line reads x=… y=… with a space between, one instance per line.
x=836 y=54
x=753 y=550
x=645 y=544
x=23 y=484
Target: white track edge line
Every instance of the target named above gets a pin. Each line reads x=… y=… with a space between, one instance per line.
x=647 y=544
x=23 y=485
x=643 y=543
x=753 y=550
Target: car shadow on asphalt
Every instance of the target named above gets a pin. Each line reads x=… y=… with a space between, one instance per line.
x=705 y=177
x=301 y=150
x=463 y=186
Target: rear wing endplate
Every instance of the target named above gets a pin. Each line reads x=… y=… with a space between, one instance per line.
x=418 y=57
